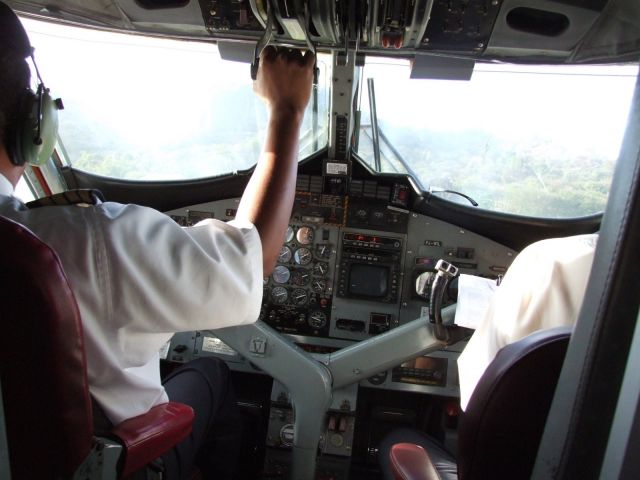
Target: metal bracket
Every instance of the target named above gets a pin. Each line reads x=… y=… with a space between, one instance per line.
x=101 y=462
x=263 y=42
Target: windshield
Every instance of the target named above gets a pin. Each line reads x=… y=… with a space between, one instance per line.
x=142 y=108
x=530 y=140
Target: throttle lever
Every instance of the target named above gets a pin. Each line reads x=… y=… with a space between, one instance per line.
x=263 y=42
x=267 y=36
x=310 y=45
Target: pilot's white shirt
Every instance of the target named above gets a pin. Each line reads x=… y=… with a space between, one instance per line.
x=543 y=288
x=138 y=278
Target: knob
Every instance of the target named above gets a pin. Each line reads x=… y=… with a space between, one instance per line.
x=423 y=284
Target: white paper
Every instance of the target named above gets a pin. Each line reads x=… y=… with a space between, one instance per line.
x=337 y=168
x=474 y=297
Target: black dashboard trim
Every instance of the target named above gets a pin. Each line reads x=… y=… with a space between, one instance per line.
x=513 y=231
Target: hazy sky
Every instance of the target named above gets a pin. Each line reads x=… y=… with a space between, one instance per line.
x=171 y=88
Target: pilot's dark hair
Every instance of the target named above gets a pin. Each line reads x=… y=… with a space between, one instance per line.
x=15 y=75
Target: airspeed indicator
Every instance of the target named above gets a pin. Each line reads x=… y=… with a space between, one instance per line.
x=304 y=235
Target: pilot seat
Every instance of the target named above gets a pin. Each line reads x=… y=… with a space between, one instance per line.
x=43 y=379
x=500 y=431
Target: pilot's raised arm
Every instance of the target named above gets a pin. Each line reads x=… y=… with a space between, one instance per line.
x=284 y=82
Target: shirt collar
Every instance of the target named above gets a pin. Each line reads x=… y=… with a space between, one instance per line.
x=6 y=187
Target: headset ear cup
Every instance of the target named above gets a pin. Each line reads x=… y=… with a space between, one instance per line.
x=21 y=127
x=27 y=145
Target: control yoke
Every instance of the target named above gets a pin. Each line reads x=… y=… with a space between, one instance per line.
x=444 y=272
x=431 y=286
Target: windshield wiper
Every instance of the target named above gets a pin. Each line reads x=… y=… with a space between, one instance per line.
x=433 y=190
x=374 y=125
x=378 y=138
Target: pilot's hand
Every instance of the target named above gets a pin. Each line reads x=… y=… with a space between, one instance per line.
x=284 y=79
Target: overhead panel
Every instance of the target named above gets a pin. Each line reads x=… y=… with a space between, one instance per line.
x=229 y=16
x=460 y=25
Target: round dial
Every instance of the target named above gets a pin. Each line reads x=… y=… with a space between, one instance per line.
x=318 y=286
x=323 y=250
x=362 y=214
x=303 y=256
x=317 y=319
x=288 y=236
x=300 y=277
x=304 y=235
x=285 y=254
x=320 y=269
x=281 y=274
x=279 y=295
x=299 y=297
x=286 y=435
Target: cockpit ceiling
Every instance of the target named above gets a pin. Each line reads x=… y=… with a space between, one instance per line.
x=543 y=31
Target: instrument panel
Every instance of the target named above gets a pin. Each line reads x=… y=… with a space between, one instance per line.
x=346 y=272
x=298 y=294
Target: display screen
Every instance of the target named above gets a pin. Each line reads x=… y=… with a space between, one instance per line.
x=368 y=280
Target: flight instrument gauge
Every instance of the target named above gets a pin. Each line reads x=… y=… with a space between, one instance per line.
x=279 y=295
x=317 y=319
x=285 y=254
x=304 y=235
x=303 y=256
x=299 y=297
x=281 y=274
x=300 y=277
x=320 y=269
x=318 y=286
x=288 y=236
x=323 y=250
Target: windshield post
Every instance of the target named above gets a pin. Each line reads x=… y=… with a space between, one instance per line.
x=314 y=114
x=374 y=125
x=341 y=122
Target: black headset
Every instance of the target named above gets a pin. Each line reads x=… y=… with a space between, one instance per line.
x=31 y=138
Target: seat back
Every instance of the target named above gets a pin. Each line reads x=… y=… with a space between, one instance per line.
x=500 y=431
x=42 y=361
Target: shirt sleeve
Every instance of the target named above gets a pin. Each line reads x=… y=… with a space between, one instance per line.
x=165 y=278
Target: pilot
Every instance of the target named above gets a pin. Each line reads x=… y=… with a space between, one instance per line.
x=138 y=277
x=543 y=288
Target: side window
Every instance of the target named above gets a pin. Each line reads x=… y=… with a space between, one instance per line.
x=23 y=192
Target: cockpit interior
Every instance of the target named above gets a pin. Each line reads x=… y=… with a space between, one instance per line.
x=453 y=130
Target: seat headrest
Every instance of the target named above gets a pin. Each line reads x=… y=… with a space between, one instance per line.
x=501 y=428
